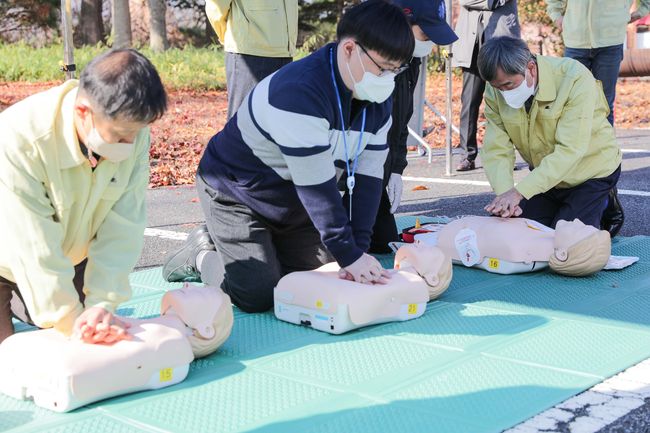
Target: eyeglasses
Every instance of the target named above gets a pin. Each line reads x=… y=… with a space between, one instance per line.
x=384 y=71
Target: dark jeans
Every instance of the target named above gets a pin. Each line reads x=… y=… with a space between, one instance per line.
x=385 y=229
x=604 y=63
x=586 y=201
x=244 y=71
x=7 y=291
x=470 y=99
x=252 y=252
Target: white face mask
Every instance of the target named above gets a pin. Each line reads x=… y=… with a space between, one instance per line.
x=518 y=96
x=114 y=152
x=372 y=87
x=422 y=48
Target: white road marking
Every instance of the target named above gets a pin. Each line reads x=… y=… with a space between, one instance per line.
x=165 y=234
x=486 y=183
x=635 y=151
x=597 y=407
x=447 y=181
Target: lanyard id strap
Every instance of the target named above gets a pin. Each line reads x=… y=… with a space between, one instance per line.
x=350 y=181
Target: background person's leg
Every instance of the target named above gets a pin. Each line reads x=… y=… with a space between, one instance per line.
x=244 y=71
x=583 y=55
x=605 y=67
x=385 y=228
x=471 y=98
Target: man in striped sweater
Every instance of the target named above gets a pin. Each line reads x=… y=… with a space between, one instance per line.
x=268 y=181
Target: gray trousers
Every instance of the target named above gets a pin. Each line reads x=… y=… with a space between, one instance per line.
x=9 y=290
x=252 y=252
x=244 y=71
x=470 y=99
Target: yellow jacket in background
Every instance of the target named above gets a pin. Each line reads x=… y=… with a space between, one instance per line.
x=566 y=136
x=265 y=28
x=594 y=23
x=56 y=211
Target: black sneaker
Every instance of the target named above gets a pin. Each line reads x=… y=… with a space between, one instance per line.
x=466 y=165
x=613 y=217
x=181 y=264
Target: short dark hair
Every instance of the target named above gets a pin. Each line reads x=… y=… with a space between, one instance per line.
x=380 y=26
x=511 y=55
x=124 y=83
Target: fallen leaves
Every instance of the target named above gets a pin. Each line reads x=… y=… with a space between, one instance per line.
x=179 y=138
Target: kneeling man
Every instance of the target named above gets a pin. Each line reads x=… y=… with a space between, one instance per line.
x=554 y=113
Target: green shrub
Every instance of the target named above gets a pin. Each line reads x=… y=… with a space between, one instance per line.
x=180 y=68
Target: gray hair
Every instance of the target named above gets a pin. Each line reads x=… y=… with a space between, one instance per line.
x=511 y=55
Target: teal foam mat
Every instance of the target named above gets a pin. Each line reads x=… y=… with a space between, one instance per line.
x=492 y=352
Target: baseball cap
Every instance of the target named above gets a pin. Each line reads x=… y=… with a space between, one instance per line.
x=431 y=16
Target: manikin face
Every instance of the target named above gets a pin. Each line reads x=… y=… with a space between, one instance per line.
x=569 y=233
x=196 y=306
x=425 y=259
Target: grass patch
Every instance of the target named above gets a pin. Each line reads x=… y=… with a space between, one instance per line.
x=180 y=68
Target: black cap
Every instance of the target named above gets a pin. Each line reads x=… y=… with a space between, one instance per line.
x=431 y=16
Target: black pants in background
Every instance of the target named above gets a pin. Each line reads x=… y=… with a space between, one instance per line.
x=470 y=100
x=385 y=228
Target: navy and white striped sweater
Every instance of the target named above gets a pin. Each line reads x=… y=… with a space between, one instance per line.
x=283 y=152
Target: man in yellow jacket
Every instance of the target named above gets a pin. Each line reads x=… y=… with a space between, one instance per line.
x=75 y=167
x=554 y=113
x=259 y=37
x=593 y=33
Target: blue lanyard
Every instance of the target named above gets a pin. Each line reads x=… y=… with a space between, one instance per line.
x=350 y=181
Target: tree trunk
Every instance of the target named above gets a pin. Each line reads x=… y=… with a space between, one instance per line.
x=91 y=24
x=158 y=25
x=121 y=24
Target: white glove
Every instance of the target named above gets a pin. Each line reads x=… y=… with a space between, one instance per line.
x=394 y=190
x=366 y=270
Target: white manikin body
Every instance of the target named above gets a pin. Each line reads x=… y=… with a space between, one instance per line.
x=498 y=245
x=323 y=301
x=63 y=373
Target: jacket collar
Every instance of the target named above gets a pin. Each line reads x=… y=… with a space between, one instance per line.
x=69 y=150
x=546 y=90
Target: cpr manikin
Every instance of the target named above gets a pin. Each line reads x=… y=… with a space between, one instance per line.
x=515 y=245
x=63 y=373
x=322 y=300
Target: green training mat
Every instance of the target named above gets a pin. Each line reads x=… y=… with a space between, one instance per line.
x=493 y=351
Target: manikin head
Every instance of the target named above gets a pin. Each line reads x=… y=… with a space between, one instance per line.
x=206 y=310
x=428 y=262
x=579 y=249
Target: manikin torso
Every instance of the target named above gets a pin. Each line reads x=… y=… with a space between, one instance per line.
x=62 y=373
x=512 y=239
x=309 y=296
